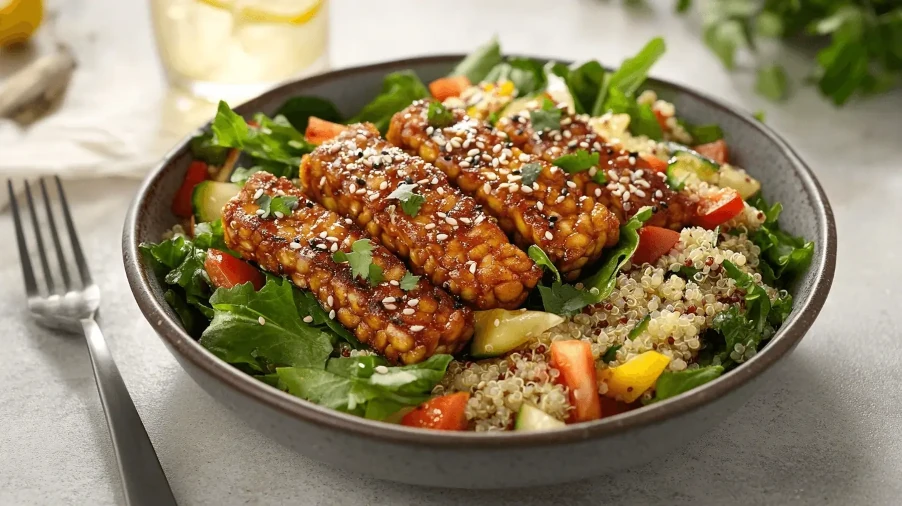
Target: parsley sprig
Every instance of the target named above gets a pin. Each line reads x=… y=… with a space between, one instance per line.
x=410 y=201
x=546 y=118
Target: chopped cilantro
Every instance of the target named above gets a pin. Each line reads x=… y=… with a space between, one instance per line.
x=541 y=259
x=410 y=201
x=563 y=299
x=640 y=327
x=529 y=173
x=438 y=115
x=283 y=205
x=361 y=261
x=546 y=118
x=409 y=281
x=264 y=202
x=579 y=161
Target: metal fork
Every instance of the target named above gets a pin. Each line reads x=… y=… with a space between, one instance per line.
x=72 y=306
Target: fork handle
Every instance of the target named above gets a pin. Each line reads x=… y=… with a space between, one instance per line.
x=143 y=479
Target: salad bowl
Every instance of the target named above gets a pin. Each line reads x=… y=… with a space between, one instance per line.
x=490 y=459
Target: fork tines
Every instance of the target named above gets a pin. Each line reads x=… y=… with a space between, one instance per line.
x=64 y=282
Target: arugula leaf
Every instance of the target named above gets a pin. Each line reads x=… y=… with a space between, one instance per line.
x=615 y=258
x=771 y=82
x=282 y=206
x=366 y=386
x=546 y=118
x=298 y=110
x=410 y=201
x=438 y=115
x=644 y=122
x=166 y=255
x=784 y=255
x=578 y=161
x=203 y=147
x=409 y=281
x=640 y=327
x=180 y=264
x=360 y=260
x=312 y=313
x=237 y=336
x=611 y=353
x=702 y=134
x=192 y=319
x=670 y=383
x=565 y=300
x=477 y=65
x=541 y=259
x=631 y=74
x=399 y=89
x=529 y=173
x=737 y=330
x=274 y=140
x=583 y=82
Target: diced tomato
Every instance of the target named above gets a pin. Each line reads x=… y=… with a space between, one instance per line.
x=181 y=205
x=226 y=271
x=654 y=163
x=319 y=130
x=447 y=87
x=662 y=120
x=654 y=242
x=719 y=208
x=716 y=151
x=441 y=413
x=577 y=367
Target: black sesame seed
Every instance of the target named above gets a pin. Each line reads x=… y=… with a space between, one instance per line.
x=309 y=204
x=515 y=172
x=360 y=181
x=408 y=180
x=447 y=158
x=552 y=218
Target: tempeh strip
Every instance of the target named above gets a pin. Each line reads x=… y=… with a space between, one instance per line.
x=404 y=326
x=572 y=228
x=448 y=238
x=630 y=182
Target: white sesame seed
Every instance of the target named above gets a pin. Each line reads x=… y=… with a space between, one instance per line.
x=260 y=212
x=332 y=314
x=388 y=300
x=278 y=214
x=487 y=188
x=352 y=188
x=322 y=181
x=334 y=247
x=549 y=236
x=383 y=185
x=627 y=206
x=473 y=152
x=626 y=196
x=409 y=310
x=261 y=320
x=523 y=157
x=429 y=226
x=294 y=245
x=497 y=322
x=659 y=194
x=349 y=221
x=435 y=180
x=416 y=328
x=394 y=282
x=640 y=194
x=571 y=184
x=540 y=205
x=473 y=267
x=598 y=192
x=526 y=189
x=391 y=307
x=308 y=319
x=322 y=246
x=465 y=164
x=441 y=237
x=466 y=220
x=413 y=302
x=258 y=193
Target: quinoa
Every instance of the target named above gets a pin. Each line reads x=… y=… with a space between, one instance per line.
x=680 y=310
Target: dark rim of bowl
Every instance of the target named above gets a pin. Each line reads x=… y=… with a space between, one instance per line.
x=792 y=331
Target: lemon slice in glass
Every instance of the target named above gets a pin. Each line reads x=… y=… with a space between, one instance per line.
x=271 y=11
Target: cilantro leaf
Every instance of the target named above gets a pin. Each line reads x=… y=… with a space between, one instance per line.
x=579 y=161
x=399 y=89
x=282 y=206
x=541 y=259
x=237 y=336
x=546 y=118
x=360 y=260
x=366 y=386
x=477 y=65
x=640 y=327
x=529 y=173
x=771 y=82
x=264 y=202
x=563 y=299
x=410 y=201
x=438 y=115
x=670 y=383
x=611 y=353
x=409 y=281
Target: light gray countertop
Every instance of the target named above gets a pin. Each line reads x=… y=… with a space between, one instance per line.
x=823 y=428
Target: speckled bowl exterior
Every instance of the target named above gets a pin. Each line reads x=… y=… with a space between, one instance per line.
x=492 y=460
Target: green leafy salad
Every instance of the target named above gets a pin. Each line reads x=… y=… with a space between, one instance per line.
x=664 y=310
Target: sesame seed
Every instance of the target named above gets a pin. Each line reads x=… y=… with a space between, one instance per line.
x=308 y=319
x=571 y=184
x=549 y=236
x=413 y=302
x=435 y=180
x=383 y=185
x=352 y=188
x=465 y=164
x=523 y=157
x=626 y=196
x=394 y=282
x=473 y=152
x=279 y=214
x=391 y=307
x=526 y=189
x=659 y=194
x=409 y=310
x=349 y=221
x=429 y=226
x=473 y=267
x=332 y=314
x=294 y=245
x=497 y=322
x=640 y=194
x=261 y=320
x=598 y=192
x=322 y=246
x=487 y=188
x=416 y=328
x=260 y=212
x=441 y=237
x=451 y=221
x=540 y=205
x=258 y=193
x=322 y=181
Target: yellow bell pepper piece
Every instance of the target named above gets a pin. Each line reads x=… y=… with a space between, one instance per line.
x=630 y=380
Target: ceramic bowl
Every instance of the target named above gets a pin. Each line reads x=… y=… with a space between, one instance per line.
x=492 y=460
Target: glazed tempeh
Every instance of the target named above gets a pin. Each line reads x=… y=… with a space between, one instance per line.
x=631 y=183
x=404 y=326
x=448 y=238
x=572 y=228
